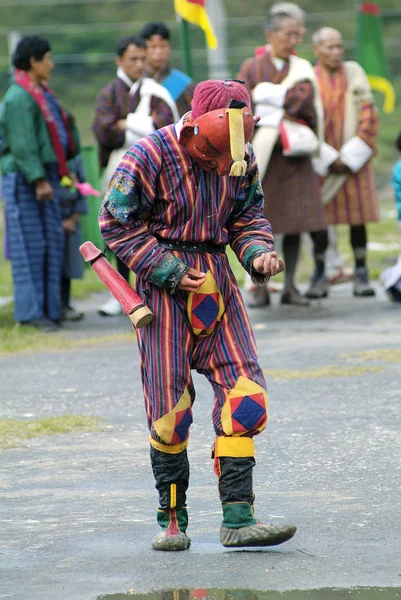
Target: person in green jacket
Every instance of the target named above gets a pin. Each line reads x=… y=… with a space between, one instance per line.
x=36 y=144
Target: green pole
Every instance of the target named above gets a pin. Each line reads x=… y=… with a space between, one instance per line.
x=186 y=47
x=357 y=30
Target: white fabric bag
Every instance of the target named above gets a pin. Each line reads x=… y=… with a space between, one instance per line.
x=297 y=139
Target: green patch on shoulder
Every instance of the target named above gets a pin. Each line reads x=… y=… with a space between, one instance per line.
x=391 y=355
x=13 y=432
x=326 y=371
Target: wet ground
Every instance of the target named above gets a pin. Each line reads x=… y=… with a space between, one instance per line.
x=78 y=511
x=322 y=594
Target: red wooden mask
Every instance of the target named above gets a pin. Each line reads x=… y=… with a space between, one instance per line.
x=218 y=137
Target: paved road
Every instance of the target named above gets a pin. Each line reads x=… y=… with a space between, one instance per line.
x=78 y=511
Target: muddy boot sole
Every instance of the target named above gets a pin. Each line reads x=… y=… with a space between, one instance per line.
x=256 y=535
x=171 y=543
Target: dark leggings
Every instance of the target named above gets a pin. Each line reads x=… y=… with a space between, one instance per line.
x=359 y=239
x=65 y=292
x=291 y=244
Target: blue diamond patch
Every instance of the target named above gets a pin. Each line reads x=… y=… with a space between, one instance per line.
x=248 y=413
x=182 y=427
x=207 y=311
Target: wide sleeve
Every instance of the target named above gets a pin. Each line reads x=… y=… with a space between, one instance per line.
x=250 y=234
x=105 y=128
x=161 y=113
x=299 y=104
x=368 y=127
x=183 y=101
x=245 y=74
x=20 y=121
x=125 y=214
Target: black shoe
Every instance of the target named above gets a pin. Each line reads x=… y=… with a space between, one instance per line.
x=319 y=286
x=258 y=297
x=70 y=314
x=42 y=324
x=292 y=296
x=362 y=287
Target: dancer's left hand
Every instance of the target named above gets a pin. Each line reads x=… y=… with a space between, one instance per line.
x=268 y=264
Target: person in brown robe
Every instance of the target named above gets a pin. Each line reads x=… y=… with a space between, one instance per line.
x=158 y=50
x=117 y=126
x=290 y=186
x=355 y=202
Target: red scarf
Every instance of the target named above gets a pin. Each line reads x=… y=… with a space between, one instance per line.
x=36 y=92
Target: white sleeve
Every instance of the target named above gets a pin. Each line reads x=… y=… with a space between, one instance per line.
x=139 y=125
x=269 y=93
x=326 y=157
x=355 y=153
x=270 y=116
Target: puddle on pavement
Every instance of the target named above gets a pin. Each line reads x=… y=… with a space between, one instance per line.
x=373 y=593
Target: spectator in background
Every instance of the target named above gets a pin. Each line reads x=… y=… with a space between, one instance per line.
x=391 y=277
x=335 y=270
x=283 y=88
x=351 y=126
x=128 y=108
x=73 y=204
x=294 y=11
x=180 y=86
x=36 y=143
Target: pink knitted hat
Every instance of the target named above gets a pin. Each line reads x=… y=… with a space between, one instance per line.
x=214 y=94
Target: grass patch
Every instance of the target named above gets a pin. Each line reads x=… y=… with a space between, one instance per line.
x=17 y=339
x=326 y=371
x=236 y=266
x=13 y=433
x=391 y=355
x=89 y=284
x=6 y=288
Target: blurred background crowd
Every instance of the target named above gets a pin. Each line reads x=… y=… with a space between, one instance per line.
x=84 y=35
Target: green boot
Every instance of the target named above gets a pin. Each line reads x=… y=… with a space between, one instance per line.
x=171 y=472
x=240 y=528
x=174 y=523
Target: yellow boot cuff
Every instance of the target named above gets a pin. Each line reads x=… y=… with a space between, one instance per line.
x=174 y=449
x=234 y=446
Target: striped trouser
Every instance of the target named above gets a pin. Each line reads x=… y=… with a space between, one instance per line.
x=176 y=342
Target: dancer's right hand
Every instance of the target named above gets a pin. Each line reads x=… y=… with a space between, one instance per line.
x=192 y=280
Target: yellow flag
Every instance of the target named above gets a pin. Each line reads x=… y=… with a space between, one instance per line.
x=194 y=11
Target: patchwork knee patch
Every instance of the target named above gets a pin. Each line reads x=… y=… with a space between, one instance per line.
x=245 y=408
x=205 y=307
x=173 y=428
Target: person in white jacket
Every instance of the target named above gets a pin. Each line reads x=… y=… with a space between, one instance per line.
x=128 y=108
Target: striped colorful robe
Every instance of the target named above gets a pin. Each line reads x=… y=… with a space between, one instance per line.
x=159 y=191
x=114 y=102
x=290 y=186
x=356 y=202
